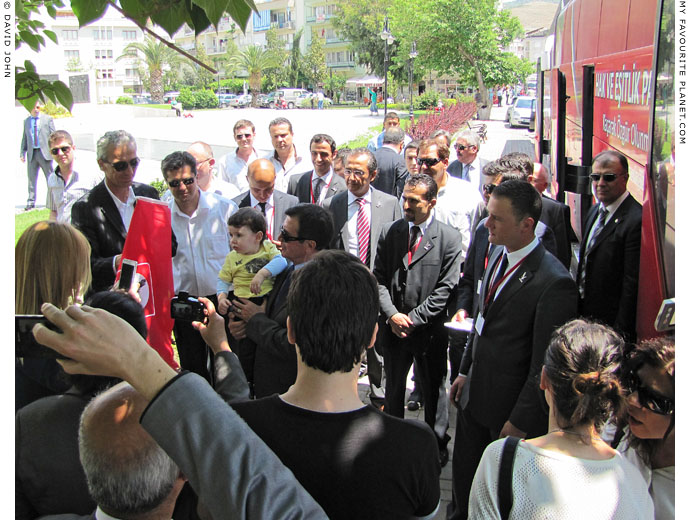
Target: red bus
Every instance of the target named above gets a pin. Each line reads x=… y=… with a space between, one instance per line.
x=606 y=82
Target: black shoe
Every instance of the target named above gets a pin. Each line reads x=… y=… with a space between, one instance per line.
x=443 y=456
x=413 y=406
x=29 y=207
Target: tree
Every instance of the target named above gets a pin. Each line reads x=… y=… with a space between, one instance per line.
x=254 y=59
x=203 y=77
x=334 y=85
x=168 y=14
x=315 y=61
x=361 y=22
x=461 y=37
x=296 y=60
x=276 y=76
x=156 y=57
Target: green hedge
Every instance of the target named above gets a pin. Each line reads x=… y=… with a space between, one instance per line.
x=191 y=99
x=124 y=100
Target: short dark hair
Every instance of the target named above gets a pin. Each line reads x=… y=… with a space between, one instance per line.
x=391 y=115
x=60 y=134
x=124 y=306
x=346 y=295
x=343 y=154
x=518 y=161
x=443 y=133
x=412 y=144
x=315 y=223
x=372 y=164
x=320 y=138
x=280 y=121
x=241 y=123
x=422 y=179
x=582 y=363
x=608 y=156
x=442 y=150
x=176 y=161
x=394 y=135
x=250 y=217
x=524 y=198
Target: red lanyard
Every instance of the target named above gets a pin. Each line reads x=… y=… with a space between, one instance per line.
x=311 y=187
x=497 y=283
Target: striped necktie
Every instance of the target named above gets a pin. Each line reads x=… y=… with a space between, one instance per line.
x=363 y=229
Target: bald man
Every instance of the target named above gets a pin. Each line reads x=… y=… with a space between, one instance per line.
x=539 y=178
x=263 y=196
x=206 y=172
x=126 y=471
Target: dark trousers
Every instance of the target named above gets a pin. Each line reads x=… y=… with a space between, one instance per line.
x=245 y=348
x=37 y=161
x=195 y=355
x=432 y=368
x=456 y=347
x=471 y=438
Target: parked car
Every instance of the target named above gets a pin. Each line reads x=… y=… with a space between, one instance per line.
x=509 y=111
x=265 y=100
x=290 y=95
x=522 y=111
x=241 y=101
x=224 y=100
x=304 y=101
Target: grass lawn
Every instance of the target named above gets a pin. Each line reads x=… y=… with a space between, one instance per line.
x=24 y=220
x=154 y=105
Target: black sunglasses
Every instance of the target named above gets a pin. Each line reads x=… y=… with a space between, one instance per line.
x=489 y=188
x=461 y=147
x=428 y=162
x=175 y=183
x=648 y=398
x=608 y=177
x=243 y=136
x=121 y=166
x=63 y=149
x=283 y=235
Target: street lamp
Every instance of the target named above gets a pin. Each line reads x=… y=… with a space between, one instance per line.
x=413 y=55
x=388 y=38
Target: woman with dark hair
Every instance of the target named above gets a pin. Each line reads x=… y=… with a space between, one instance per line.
x=648 y=433
x=570 y=472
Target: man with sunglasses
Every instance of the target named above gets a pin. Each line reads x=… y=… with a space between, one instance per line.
x=307 y=229
x=66 y=186
x=608 y=272
x=199 y=219
x=35 y=150
x=232 y=167
x=104 y=214
x=469 y=165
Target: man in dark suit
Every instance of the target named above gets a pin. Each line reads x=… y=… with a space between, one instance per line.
x=608 y=272
x=322 y=182
x=35 y=149
x=525 y=294
x=357 y=228
x=307 y=229
x=417 y=266
x=392 y=172
x=469 y=165
x=263 y=196
x=104 y=214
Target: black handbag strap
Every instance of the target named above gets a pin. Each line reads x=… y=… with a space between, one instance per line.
x=505 y=477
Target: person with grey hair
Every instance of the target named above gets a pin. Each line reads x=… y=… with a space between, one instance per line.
x=469 y=166
x=104 y=214
x=392 y=172
x=443 y=137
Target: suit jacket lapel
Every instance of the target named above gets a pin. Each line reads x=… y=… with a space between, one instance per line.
x=518 y=279
x=375 y=223
x=245 y=202
x=426 y=244
x=490 y=268
x=617 y=218
x=109 y=210
x=304 y=187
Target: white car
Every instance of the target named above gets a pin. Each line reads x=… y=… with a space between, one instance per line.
x=241 y=101
x=521 y=111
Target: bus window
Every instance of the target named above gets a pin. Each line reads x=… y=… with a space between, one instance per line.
x=663 y=161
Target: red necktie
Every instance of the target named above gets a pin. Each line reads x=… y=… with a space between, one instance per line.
x=363 y=231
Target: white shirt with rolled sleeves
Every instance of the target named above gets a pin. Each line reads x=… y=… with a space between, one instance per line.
x=296 y=165
x=459 y=205
x=203 y=242
x=62 y=196
x=233 y=169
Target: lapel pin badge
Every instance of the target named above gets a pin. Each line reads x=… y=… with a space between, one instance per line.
x=523 y=277
x=615 y=221
x=427 y=246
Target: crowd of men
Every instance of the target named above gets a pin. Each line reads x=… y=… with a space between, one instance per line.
x=385 y=246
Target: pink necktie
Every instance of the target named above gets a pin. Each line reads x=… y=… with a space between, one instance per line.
x=362 y=231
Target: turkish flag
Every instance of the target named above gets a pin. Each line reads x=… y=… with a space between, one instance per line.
x=149 y=243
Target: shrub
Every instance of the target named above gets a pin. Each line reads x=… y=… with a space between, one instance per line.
x=426 y=101
x=124 y=100
x=197 y=99
x=450 y=119
x=449 y=102
x=54 y=110
x=160 y=185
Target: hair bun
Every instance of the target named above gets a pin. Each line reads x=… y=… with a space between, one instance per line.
x=591 y=382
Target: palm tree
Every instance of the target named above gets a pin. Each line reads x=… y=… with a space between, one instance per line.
x=254 y=60
x=156 y=55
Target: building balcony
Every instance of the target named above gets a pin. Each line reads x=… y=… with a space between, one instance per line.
x=283 y=25
x=340 y=64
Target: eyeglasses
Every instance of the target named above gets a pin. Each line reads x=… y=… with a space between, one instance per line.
x=199 y=163
x=356 y=173
x=608 y=177
x=461 y=147
x=287 y=238
x=63 y=149
x=489 y=188
x=243 y=136
x=121 y=166
x=648 y=398
x=176 y=183
x=428 y=162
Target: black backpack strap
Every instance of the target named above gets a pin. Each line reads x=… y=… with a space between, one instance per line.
x=505 y=477
x=617 y=438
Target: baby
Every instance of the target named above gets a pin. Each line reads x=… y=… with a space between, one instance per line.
x=252 y=263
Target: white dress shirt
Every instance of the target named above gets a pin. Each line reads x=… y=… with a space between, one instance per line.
x=270 y=213
x=459 y=206
x=126 y=209
x=233 y=169
x=61 y=196
x=352 y=211
x=325 y=184
x=514 y=258
x=295 y=165
x=203 y=242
